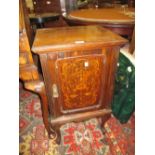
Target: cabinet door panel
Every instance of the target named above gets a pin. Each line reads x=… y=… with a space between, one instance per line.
x=80 y=81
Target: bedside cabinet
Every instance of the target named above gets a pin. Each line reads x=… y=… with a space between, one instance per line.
x=78 y=65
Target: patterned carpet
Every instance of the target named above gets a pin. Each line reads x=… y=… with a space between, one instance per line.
x=84 y=138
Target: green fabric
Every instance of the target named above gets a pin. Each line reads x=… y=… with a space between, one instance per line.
x=123 y=103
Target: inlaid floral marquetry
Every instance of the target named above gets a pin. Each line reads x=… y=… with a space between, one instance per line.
x=80 y=80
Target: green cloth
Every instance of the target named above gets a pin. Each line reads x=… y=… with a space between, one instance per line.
x=123 y=103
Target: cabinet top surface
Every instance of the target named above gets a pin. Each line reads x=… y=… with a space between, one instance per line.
x=71 y=38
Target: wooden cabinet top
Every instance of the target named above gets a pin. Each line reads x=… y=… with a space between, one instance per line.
x=74 y=38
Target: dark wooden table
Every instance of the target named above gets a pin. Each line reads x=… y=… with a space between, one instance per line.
x=40 y=19
x=119 y=20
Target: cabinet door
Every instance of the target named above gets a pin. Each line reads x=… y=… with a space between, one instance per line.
x=77 y=82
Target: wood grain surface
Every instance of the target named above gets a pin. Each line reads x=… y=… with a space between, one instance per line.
x=110 y=15
x=69 y=38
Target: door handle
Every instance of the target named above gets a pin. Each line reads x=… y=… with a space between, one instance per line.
x=55 y=93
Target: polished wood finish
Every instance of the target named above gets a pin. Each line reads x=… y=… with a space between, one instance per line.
x=79 y=117
x=110 y=15
x=27 y=69
x=74 y=38
x=28 y=72
x=132 y=43
x=71 y=86
x=78 y=70
x=24 y=22
x=39 y=88
x=119 y=20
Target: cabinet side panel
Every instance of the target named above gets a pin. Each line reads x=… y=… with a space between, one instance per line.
x=112 y=59
x=47 y=81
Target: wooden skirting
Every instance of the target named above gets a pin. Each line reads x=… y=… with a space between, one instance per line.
x=79 y=117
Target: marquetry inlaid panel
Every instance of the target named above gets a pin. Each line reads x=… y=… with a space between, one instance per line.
x=80 y=80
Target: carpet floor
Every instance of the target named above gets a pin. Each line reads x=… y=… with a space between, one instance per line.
x=84 y=138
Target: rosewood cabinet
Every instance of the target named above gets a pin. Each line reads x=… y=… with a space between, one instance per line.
x=79 y=65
